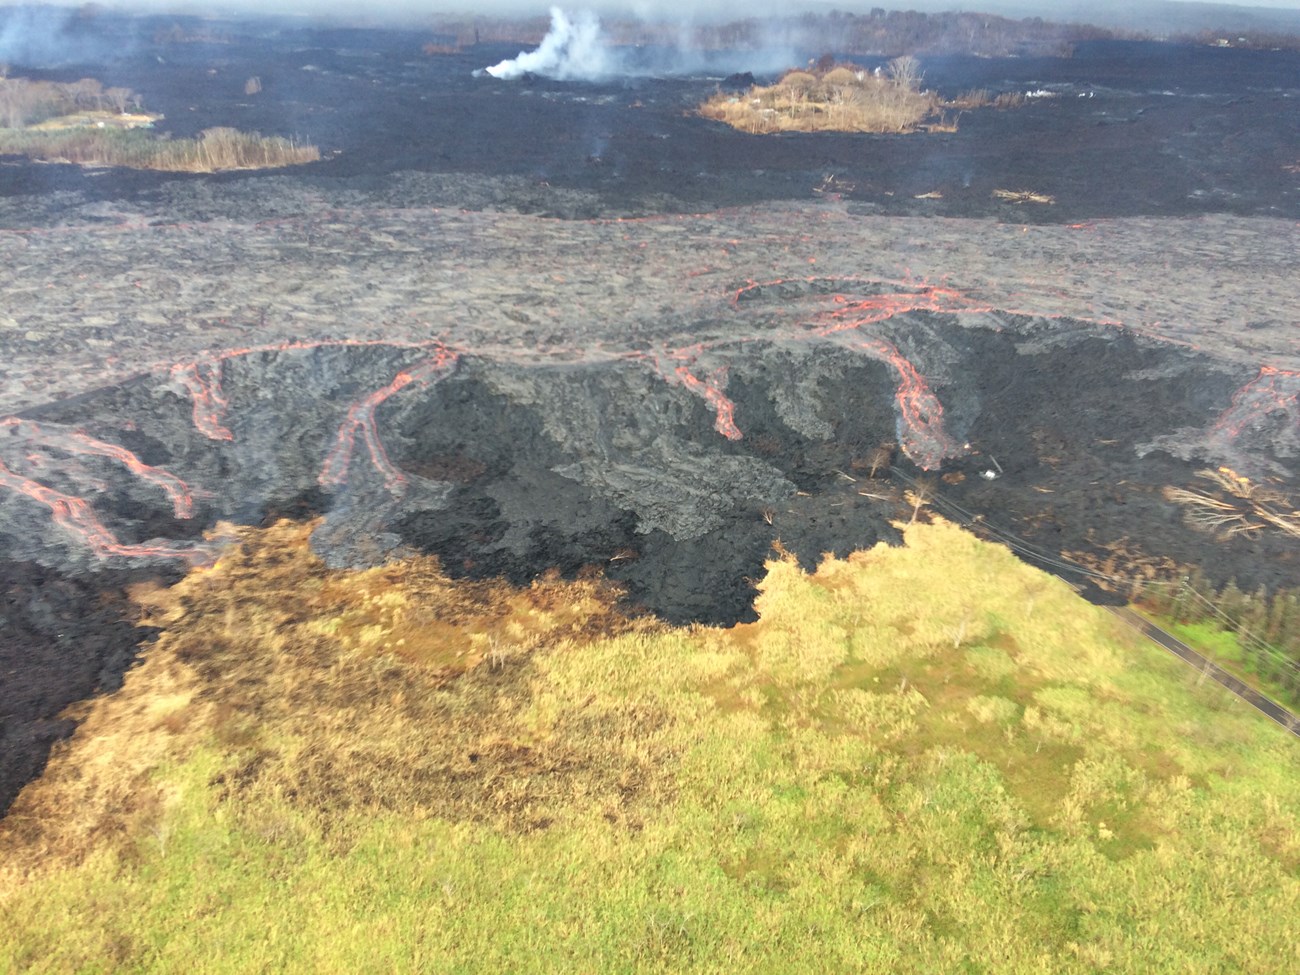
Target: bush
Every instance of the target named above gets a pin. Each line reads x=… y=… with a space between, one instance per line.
x=798 y=79
x=843 y=76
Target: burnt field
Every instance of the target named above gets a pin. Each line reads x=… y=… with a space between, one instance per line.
x=1119 y=129
x=536 y=324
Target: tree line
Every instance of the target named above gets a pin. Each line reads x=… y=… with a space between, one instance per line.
x=24 y=101
x=1267 y=626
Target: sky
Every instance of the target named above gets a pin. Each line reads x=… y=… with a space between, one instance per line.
x=664 y=9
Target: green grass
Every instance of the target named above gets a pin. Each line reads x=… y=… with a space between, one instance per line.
x=930 y=758
x=1224 y=648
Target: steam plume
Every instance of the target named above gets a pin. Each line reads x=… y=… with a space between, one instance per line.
x=573 y=49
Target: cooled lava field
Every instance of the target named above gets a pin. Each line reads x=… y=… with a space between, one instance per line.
x=537 y=325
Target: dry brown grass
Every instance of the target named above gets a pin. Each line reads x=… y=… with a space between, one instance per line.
x=393 y=688
x=845 y=98
x=975 y=98
x=215 y=150
x=87 y=124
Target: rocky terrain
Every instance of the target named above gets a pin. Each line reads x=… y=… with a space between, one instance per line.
x=594 y=364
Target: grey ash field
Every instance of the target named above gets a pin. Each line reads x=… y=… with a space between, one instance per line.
x=543 y=324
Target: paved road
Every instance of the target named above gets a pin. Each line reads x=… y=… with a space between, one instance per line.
x=1175 y=646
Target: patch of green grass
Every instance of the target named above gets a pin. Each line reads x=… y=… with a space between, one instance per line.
x=930 y=758
x=1225 y=649
x=1221 y=644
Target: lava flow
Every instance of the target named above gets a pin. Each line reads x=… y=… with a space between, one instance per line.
x=361 y=420
x=75 y=516
x=1272 y=391
x=921 y=432
x=711 y=387
x=77 y=442
x=855 y=312
x=920 y=429
x=202 y=380
x=920 y=414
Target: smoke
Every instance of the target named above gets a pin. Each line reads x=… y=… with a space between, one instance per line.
x=573 y=49
x=42 y=37
x=576 y=48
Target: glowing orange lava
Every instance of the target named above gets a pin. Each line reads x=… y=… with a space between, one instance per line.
x=921 y=433
x=203 y=382
x=710 y=386
x=361 y=421
x=77 y=442
x=1273 y=390
x=75 y=516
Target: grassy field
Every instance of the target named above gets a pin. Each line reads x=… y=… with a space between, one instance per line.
x=931 y=758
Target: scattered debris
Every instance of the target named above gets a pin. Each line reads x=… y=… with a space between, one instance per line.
x=1024 y=196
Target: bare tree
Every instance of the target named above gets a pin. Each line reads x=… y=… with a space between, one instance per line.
x=87 y=93
x=905 y=72
x=118 y=98
x=921 y=494
x=18 y=100
x=880 y=458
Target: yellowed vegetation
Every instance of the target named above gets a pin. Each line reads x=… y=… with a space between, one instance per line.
x=848 y=98
x=215 y=150
x=916 y=759
x=843 y=99
x=96 y=119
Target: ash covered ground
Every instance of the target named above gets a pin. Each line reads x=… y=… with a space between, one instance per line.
x=539 y=325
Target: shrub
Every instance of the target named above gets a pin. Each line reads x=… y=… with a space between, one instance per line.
x=798 y=79
x=842 y=76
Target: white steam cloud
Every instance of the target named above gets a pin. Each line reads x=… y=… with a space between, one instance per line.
x=577 y=49
x=574 y=49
